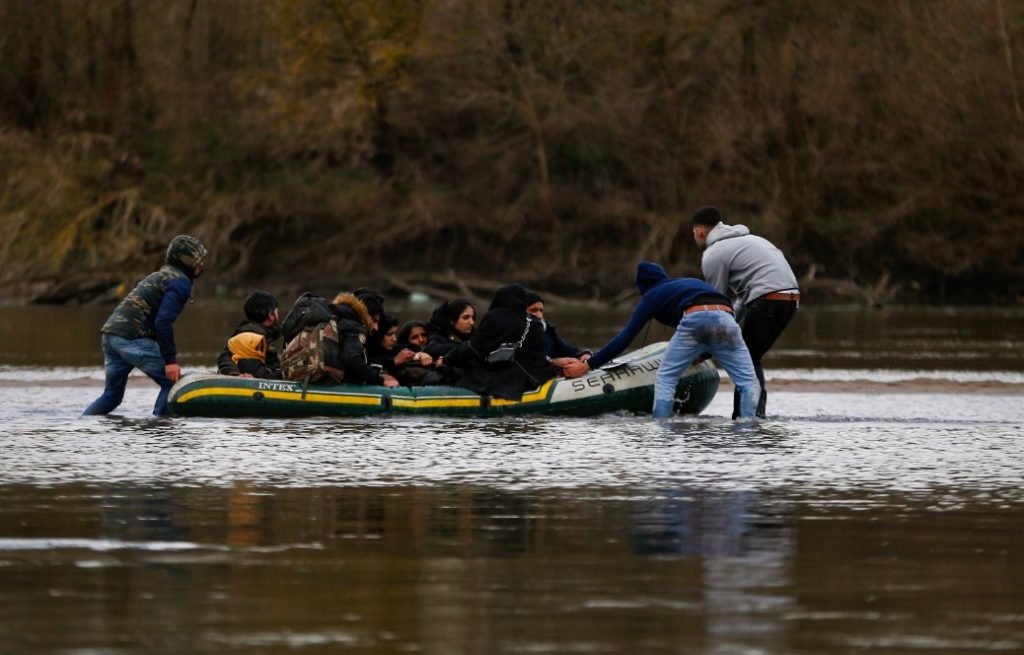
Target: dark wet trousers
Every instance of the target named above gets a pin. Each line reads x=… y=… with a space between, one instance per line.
x=763 y=321
x=120 y=356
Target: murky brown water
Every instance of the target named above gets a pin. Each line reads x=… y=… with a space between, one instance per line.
x=888 y=519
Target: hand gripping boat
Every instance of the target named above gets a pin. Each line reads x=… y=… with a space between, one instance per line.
x=626 y=384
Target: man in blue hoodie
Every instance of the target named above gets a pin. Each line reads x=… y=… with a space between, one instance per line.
x=140 y=331
x=757 y=273
x=703 y=318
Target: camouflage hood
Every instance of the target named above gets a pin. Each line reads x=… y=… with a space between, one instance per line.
x=356 y=305
x=186 y=253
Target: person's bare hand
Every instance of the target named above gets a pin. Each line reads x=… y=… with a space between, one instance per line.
x=173 y=372
x=576 y=369
x=584 y=357
x=403 y=356
x=424 y=359
x=390 y=381
x=245 y=375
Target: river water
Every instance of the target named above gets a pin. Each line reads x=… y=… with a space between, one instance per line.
x=880 y=507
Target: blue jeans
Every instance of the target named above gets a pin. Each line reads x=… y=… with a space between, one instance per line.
x=120 y=356
x=714 y=332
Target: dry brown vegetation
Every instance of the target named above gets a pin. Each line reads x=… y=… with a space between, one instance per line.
x=879 y=143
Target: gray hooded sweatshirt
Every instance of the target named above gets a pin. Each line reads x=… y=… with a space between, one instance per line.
x=749 y=266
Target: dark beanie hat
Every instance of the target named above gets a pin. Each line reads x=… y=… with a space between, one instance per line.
x=258 y=306
x=373 y=300
x=532 y=297
x=708 y=216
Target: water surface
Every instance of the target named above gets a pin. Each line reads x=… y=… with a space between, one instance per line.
x=888 y=517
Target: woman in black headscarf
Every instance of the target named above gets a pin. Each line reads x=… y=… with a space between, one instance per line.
x=506 y=324
x=407 y=365
x=451 y=324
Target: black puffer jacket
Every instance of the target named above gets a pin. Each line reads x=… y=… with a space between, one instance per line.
x=354 y=325
x=505 y=322
x=270 y=368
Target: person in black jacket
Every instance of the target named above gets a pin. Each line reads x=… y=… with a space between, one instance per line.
x=382 y=348
x=250 y=352
x=451 y=323
x=355 y=324
x=559 y=351
x=413 y=335
x=407 y=364
x=506 y=322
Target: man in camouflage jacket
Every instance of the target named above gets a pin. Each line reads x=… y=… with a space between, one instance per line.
x=140 y=331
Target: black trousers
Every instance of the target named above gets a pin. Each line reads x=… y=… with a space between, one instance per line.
x=763 y=321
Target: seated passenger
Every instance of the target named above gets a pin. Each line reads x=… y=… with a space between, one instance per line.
x=355 y=324
x=374 y=302
x=505 y=325
x=251 y=352
x=408 y=365
x=382 y=347
x=451 y=324
x=413 y=335
x=559 y=352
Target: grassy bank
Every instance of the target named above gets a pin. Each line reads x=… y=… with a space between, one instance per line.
x=339 y=143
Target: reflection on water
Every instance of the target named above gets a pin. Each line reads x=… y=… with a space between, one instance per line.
x=851 y=520
x=461 y=568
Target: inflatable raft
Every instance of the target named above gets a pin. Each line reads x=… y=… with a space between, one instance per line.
x=626 y=384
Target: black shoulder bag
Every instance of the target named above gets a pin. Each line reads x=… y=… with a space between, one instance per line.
x=505 y=353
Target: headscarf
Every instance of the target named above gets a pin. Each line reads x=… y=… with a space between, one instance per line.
x=387 y=321
x=511 y=296
x=406 y=332
x=443 y=318
x=248 y=345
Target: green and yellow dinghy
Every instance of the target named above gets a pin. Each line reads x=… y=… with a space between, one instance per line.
x=626 y=384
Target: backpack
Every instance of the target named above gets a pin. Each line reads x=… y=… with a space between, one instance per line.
x=308 y=357
x=308 y=311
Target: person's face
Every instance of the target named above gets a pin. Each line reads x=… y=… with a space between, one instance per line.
x=418 y=336
x=390 y=339
x=700 y=235
x=273 y=318
x=536 y=310
x=376 y=324
x=464 y=323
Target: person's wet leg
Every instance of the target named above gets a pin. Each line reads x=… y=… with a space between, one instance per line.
x=731 y=352
x=762 y=400
x=116 y=371
x=145 y=355
x=680 y=353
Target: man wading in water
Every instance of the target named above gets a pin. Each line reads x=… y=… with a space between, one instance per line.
x=704 y=323
x=757 y=273
x=140 y=332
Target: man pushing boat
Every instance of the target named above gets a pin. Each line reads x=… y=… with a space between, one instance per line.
x=704 y=322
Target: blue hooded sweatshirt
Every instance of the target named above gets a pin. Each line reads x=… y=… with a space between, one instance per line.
x=663 y=298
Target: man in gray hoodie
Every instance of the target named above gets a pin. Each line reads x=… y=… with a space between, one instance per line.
x=757 y=274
